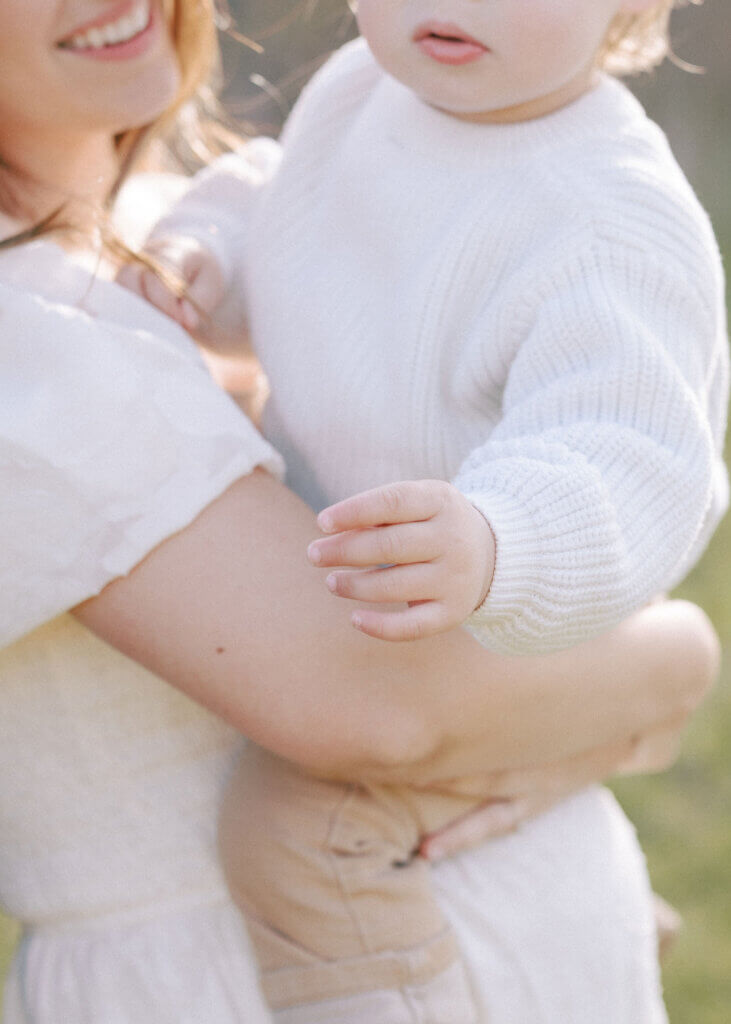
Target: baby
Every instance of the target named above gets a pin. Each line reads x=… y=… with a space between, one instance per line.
x=472 y=258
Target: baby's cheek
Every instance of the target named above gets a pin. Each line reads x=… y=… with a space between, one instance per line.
x=541 y=27
x=380 y=23
x=553 y=39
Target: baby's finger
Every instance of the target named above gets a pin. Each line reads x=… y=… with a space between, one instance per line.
x=206 y=286
x=413 y=623
x=386 y=545
x=160 y=296
x=129 y=277
x=404 y=502
x=189 y=315
x=397 y=584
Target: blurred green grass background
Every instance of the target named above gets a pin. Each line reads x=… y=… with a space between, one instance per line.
x=684 y=816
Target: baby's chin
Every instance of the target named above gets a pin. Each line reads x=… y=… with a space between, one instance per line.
x=463 y=108
x=460 y=111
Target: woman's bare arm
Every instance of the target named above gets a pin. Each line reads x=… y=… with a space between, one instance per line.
x=230 y=612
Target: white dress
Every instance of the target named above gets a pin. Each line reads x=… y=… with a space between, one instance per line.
x=111 y=438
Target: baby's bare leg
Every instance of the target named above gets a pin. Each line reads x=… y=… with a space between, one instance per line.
x=340 y=910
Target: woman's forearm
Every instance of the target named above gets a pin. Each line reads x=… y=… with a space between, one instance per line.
x=230 y=612
x=653 y=668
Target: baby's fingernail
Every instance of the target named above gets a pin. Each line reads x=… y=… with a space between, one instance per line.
x=314 y=554
x=325 y=522
x=357 y=621
x=332 y=582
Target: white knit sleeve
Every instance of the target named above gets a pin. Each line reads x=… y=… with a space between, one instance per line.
x=111 y=440
x=333 y=92
x=220 y=201
x=599 y=478
x=217 y=207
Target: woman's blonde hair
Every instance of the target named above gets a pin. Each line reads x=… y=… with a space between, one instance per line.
x=182 y=126
x=639 y=42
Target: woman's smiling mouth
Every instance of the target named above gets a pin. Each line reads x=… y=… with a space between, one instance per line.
x=448 y=44
x=123 y=33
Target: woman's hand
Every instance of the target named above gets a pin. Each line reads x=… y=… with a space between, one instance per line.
x=517 y=796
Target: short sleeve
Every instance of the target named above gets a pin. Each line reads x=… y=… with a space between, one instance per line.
x=111 y=440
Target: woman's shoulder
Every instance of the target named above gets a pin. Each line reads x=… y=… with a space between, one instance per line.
x=74 y=296
x=113 y=436
x=36 y=268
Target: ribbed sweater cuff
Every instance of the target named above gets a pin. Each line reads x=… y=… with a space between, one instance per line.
x=499 y=622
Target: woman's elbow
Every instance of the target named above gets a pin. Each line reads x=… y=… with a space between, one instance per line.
x=691 y=652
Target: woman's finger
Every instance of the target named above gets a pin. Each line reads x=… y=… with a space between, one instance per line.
x=404 y=502
x=387 y=545
x=413 y=623
x=400 y=583
x=540 y=789
x=494 y=819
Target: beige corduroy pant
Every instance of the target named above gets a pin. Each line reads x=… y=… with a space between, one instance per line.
x=339 y=908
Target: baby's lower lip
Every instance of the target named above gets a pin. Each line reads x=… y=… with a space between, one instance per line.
x=451 y=51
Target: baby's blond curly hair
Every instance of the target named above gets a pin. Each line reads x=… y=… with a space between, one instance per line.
x=639 y=42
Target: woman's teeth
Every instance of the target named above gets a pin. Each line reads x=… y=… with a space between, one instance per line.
x=115 y=32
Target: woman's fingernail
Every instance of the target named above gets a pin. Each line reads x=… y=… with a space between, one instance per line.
x=356 y=620
x=332 y=582
x=434 y=852
x=314 y=554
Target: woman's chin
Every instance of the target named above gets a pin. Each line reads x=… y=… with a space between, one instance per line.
x=140 y=104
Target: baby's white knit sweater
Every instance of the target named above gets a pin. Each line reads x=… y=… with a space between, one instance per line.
x=534 y=311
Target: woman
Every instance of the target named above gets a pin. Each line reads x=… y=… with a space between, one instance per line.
x=127 y=475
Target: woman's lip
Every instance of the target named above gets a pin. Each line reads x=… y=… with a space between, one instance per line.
x=135 y=47
x=114 y=13
x=448 y=43
x=129 y=49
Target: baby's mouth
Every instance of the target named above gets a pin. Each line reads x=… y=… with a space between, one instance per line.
x=448 y=43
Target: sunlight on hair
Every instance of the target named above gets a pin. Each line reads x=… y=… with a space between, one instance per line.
x=640 y=42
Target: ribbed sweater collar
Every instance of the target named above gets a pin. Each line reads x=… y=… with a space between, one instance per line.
x=606 y=109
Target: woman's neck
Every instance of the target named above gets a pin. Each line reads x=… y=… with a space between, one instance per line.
x=70 y=174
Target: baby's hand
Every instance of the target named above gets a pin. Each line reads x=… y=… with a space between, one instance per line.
x=419 y=542
x=189 y=264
